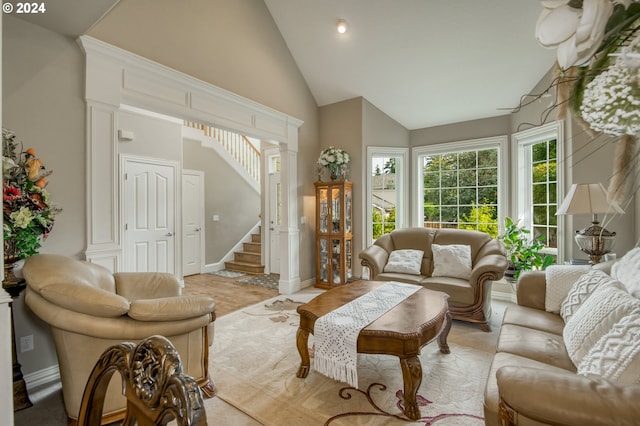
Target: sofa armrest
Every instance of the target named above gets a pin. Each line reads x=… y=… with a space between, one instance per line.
x=172 y=308
x=146 y=285
x=532 y=289
x=494 y=264
x=375 y=258
x=556 y=398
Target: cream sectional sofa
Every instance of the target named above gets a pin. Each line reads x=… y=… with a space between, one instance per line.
x=468 y=285
x=578 y=366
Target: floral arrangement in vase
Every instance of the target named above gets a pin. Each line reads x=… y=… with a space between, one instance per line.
x=336 y=161
x=27 y=212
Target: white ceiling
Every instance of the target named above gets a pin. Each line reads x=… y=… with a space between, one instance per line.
x=69 y=17
x=422 y=62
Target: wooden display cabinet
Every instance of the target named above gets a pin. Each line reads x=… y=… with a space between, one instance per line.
x=334 y=233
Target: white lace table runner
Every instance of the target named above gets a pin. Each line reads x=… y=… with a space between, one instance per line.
x=336 y=333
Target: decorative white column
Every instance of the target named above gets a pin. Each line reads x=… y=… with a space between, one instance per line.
x=289 y=233
x=6 y=362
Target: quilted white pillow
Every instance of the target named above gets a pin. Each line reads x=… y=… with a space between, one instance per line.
x=582 y=289
x=559 y=280
x=594 y=318
x=451 y=260
x=627 y=271
x=405 y=261
x=616 y=356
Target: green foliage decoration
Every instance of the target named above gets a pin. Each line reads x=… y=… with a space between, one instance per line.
x=524 y=251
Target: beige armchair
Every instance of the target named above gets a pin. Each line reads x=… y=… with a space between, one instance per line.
x=470 y=299
x=89 y=309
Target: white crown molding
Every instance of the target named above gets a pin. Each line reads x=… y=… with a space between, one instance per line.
x=142 y=81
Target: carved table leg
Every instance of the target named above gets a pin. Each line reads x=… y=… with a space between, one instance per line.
x=302 y=341
x=442 y=338
x=412 y=376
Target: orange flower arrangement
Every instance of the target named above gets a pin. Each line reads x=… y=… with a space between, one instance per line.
x=28 y=214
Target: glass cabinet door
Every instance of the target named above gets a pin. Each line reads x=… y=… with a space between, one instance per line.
x=348 y=258
x=323 y=209
x=324 y=260
x=348 y=206
x=335 y=210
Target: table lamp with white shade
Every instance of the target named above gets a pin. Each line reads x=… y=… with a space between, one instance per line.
x=591 y=198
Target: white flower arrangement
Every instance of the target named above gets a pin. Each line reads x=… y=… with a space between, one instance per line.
x=611 y=101
x=575 y=27
x=336 y=160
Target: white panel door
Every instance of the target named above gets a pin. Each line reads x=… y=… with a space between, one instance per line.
x=192 y=223
x=149 y=216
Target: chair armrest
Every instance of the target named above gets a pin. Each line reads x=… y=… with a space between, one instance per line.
x=85 y=299
x=146 y=285
x=375 y=258
x=532 y=289
x=556 y=398
x=172 y=308
x=494 y=264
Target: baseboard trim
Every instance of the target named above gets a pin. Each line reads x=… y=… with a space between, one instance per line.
x=42 y=377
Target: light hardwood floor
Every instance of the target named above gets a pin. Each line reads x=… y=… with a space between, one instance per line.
x=230 y=294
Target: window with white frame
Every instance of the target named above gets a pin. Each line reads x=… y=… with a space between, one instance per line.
x=538 y=181
x=461 y=184
x=387 y=173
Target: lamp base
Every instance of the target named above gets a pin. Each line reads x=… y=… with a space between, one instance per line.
x=595 y=241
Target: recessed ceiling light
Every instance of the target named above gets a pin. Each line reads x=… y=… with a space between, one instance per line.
x=342 y=26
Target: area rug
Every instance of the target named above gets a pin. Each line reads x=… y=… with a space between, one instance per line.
x=264 y=280
x=228 y=274
x=254 y=360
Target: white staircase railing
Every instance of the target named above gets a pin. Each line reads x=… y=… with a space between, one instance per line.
x=237 y=145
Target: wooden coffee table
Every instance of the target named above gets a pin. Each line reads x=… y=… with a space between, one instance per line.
x=416 y=321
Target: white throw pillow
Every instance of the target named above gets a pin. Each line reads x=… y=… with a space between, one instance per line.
x=405 y=261
x=627 y=271
x=582 y=289
x=559 y=280
x=594 y=318
x=451 y=260
x=616 y=356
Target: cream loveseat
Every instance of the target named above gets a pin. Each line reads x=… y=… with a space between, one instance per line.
x=572 y=361
x=90 y=309
x=458 y=262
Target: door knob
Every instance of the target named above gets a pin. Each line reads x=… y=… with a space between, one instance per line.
x=197 y=230
x=169 y=234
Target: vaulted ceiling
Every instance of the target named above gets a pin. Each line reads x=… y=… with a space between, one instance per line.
x=422 y=62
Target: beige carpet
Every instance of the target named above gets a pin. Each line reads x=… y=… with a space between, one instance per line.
x=254 y=361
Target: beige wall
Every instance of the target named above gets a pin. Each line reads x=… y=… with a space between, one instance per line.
x=154 y=137
x=232 y=199
x=43 y=104
x=463 y=131
x=233 y=44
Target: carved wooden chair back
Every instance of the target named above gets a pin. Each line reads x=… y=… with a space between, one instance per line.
x=156 y=389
